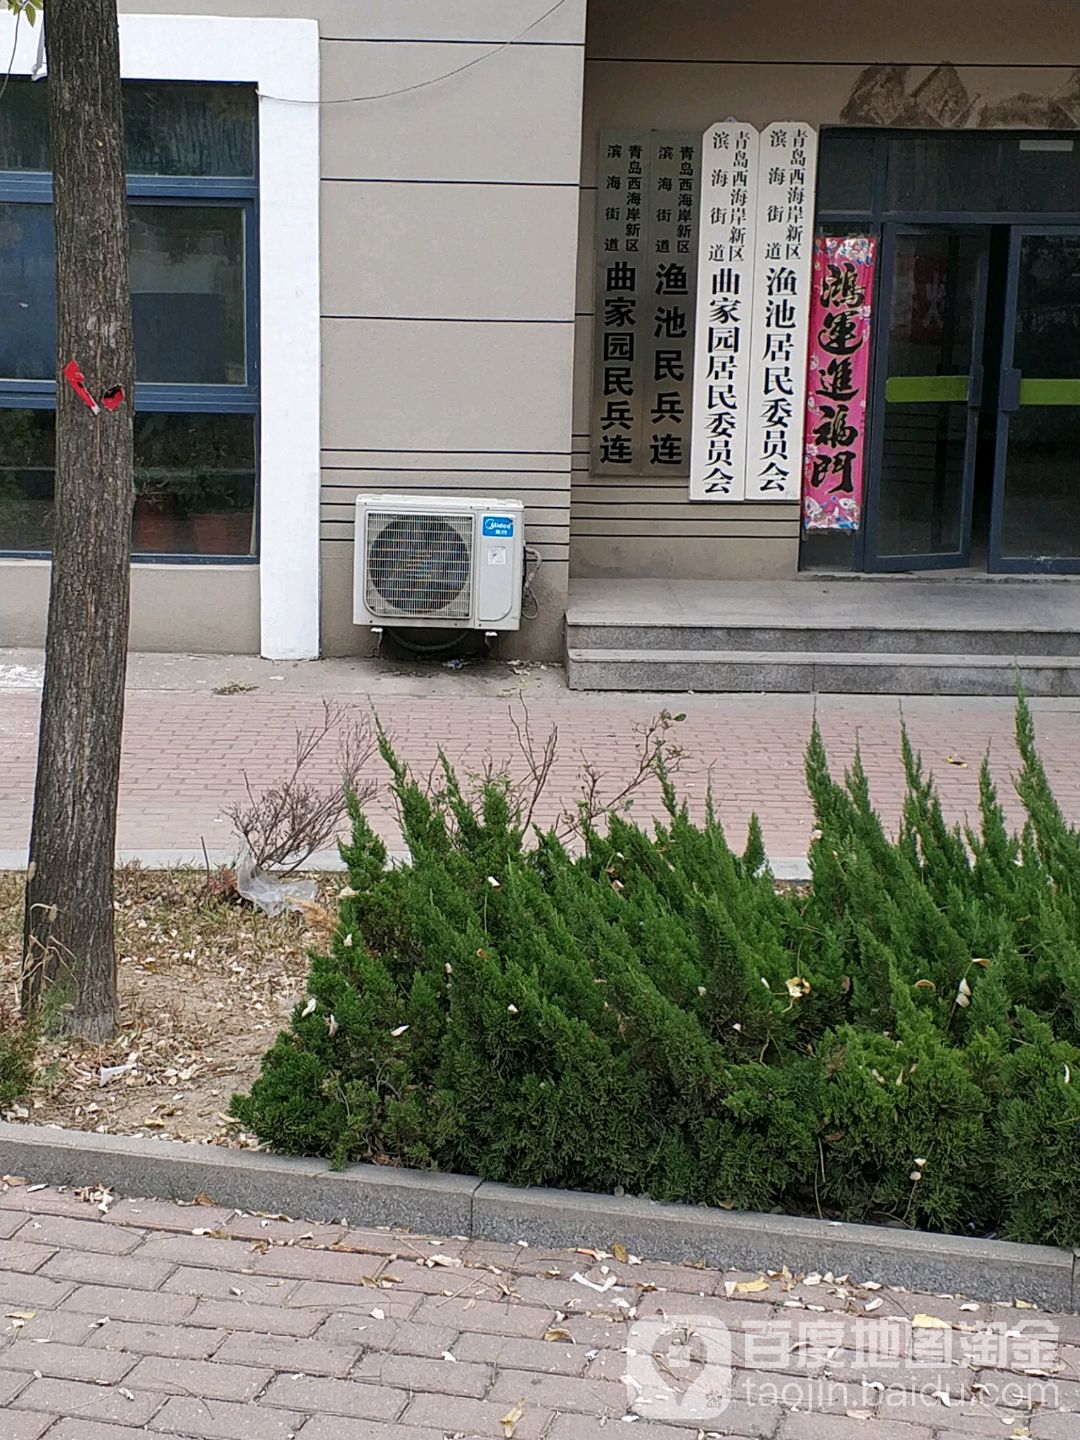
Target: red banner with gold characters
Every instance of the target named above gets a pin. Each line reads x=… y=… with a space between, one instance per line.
x=837 y=382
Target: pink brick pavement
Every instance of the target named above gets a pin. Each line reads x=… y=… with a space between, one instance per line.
x=154 y=1319
x=186 y=749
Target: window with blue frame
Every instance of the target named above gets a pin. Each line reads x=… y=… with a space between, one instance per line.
x=192 y=193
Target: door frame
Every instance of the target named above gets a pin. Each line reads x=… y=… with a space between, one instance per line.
x=1009 y=382
x=868 y=557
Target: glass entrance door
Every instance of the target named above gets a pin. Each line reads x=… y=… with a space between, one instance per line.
x=1035 y=520
x=929 y=389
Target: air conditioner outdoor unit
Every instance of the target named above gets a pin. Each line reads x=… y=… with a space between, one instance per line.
x=425 y=561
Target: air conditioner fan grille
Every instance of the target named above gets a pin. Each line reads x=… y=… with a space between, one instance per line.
x=419 y=565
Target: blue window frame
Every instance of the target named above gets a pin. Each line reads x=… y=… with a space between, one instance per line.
x=193 y=193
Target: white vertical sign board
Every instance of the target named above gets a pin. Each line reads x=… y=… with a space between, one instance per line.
x=782 y=283
x=722 y=323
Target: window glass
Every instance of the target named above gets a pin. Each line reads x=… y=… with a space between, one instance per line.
x=194 y=483
x=195 y=474
x=845 y=180
x=24 y=126
x=189 y=129
x=187 y=292
x=169 y=128
x=26 y=479
x=983 y=172
x=27 y=292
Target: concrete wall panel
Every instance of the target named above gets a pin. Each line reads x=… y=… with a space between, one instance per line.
x=202 y=609
x=512 y=117
x=447 y=251
x=412 y=384
x=489 y=21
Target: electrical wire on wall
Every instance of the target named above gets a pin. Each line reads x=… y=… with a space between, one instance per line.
x=424 y=84
x=38 y=71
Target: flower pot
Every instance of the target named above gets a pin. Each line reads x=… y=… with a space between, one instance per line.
x=154 y=528
x=222 y=532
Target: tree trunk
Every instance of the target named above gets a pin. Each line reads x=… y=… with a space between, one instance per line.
x=68 y=928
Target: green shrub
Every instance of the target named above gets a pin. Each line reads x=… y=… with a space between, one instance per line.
x=651 y=1012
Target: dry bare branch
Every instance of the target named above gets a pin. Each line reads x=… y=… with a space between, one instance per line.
x=653 y=751
x=287 y=822
x=539 y=765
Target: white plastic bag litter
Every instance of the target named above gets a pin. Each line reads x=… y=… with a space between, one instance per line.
x=273 y=893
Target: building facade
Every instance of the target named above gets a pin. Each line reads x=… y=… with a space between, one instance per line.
x=377 y=248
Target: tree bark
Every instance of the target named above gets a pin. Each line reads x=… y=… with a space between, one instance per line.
x=68 y=926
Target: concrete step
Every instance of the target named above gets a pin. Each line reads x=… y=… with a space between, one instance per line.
x=857 y=672
x=838 y=639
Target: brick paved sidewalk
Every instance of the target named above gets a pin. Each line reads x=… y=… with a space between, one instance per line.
x=152 y=1318
x=186 y=747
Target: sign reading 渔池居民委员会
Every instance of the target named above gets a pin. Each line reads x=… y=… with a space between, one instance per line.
x=783 y=246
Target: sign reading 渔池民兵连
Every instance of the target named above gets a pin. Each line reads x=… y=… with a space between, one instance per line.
x=668 y=337
x=723 y=316
x=783 y=245
x=837 y=378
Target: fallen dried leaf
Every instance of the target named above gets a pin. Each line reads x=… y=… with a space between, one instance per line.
x=620 y=1252
x=509 y=1421
x=929 y=1322
x=559 y=1335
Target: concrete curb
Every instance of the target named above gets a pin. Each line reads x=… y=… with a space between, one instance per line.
x=438 y=1204
x=794 y=868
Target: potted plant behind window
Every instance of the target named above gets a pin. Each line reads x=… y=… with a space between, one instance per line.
x=17 y=528
x=220 y=516
x=155 y=520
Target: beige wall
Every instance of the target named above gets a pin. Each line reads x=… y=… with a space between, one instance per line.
x=204 y=609
x=682 y=66
x=449 y=228
x=449 y=242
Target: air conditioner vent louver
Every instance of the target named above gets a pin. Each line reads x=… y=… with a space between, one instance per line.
x=419 y=565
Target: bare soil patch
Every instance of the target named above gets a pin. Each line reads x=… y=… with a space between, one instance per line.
x=205 y=986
